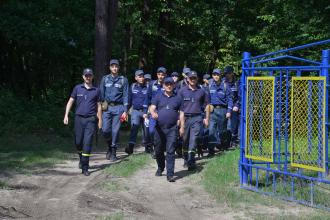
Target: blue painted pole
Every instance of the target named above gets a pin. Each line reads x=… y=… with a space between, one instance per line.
x=244 y=170
x=325 y=72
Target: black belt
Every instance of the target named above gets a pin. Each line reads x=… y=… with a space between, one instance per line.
x=220 y=106
x=140 y=110
x=86 y=116
x=191 y=115
x=115 y=103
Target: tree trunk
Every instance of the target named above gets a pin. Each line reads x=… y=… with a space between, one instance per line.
x=105 y=18
x=163 y=30
x=143 y=49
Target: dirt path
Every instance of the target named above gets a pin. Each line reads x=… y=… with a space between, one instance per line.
x=63 y=193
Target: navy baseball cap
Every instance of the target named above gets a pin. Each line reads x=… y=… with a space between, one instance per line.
x=206 y=76
x=139 y=72
x=114 y=61
x=228 y=69
x=169 y=80
x=161 y=69
x=186 y=70
x=175 y=74
x=88 y=71
x=192 y=74
x=147 y=76
x=216 y=71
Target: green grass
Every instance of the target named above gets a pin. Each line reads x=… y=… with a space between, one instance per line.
x=116 y=216
x=24 y=152
x=129 y=165
x=220 y=178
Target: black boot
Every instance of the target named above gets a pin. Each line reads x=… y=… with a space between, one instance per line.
x=113 y=156
x=152 y=152
x=185 y=160
x=109 y=152
x=148 y=149
x=191 y=161
x=80 y=165
x=108 y=155
x=85 y=165
x=129 y=149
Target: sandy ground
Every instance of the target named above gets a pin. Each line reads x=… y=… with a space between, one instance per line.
x=62 y=192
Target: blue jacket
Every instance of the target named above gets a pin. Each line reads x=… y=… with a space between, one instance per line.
x=139 y=97
x=220 y=94
x=115 y=89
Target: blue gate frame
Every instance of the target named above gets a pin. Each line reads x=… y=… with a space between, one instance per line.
x=279 y=178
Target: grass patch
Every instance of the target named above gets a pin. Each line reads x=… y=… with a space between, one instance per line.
x=221 y=179
x=116 y=216
x=21 y=153
x=114 y=186
x=129 y=165
x=3 y=185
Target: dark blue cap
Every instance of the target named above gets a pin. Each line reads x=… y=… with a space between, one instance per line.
x=88 y=71
x=168 y=80
x=175 y=74
x=139 y=72
x=192 y=74
x=216 y=71
x=186 y=70
x=228 y=69
x=161 y=69
x=147 y=76
x=206 y=76
x=114 y=61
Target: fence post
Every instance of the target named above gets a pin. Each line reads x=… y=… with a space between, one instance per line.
x=243 y=170
x=325 y=72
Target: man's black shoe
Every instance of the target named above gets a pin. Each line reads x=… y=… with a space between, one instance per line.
x=113 y=158
x=128 y=151
x=158 y=172
x=170 y=179
x=185 y=164
x=192 y=167
x=86 y=172
x=108 y=155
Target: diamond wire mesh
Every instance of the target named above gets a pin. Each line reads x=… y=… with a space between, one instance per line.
x=259 y=123
x=307 y=121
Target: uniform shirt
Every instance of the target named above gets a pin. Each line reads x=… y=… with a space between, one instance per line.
x=139 y=97
x=155 y=88
x=220 y=94
x=86 y=100
x=182 y=83
x=193 y=101
x=234 y=86
x=167 y=108
x=115 y=89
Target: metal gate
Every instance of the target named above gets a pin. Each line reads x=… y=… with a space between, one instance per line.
x=284 y=126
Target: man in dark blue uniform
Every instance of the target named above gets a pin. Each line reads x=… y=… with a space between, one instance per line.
x=234 y=86
x=114 y=92
x=206 y=78
x=175 y=77
x=156 y=87
x=139 y=97
x=220 y=108
x=184 y=81
x=88 y=112
x=164 y=109
x=195 y=99
x=147 y=78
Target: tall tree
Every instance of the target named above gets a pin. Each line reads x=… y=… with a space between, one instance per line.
x=105 y=18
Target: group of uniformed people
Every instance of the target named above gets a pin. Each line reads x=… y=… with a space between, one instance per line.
x=175 y=116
